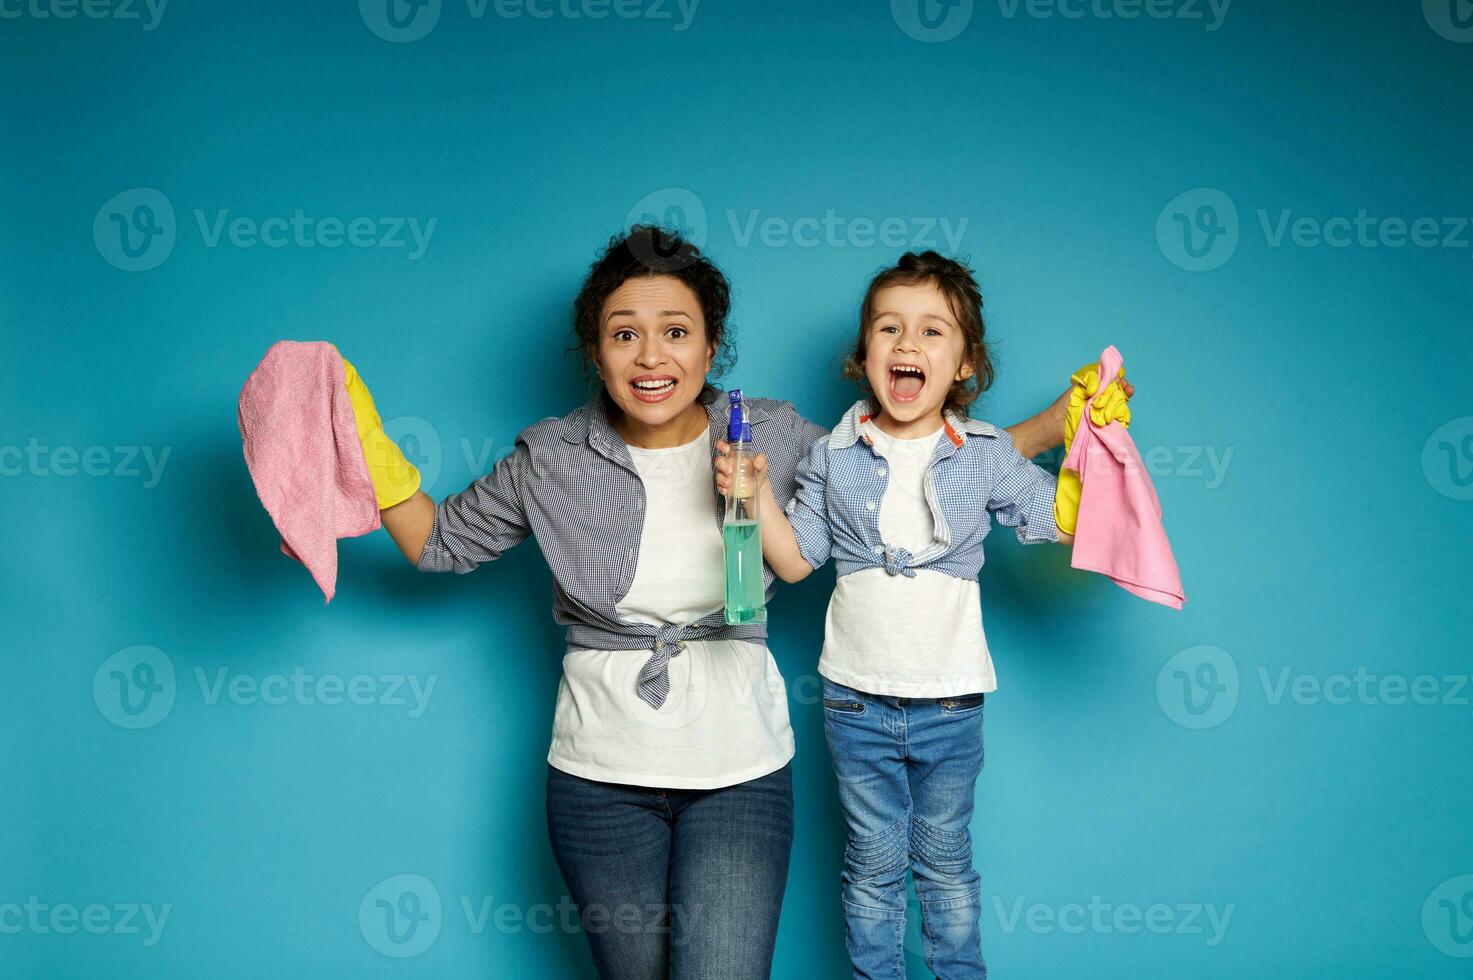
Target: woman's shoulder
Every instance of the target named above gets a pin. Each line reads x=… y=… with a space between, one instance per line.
x=557 y=430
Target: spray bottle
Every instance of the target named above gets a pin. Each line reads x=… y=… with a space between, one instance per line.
x=742 y=532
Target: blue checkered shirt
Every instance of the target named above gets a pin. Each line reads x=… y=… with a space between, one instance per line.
x=975 y=474
x=571 y=482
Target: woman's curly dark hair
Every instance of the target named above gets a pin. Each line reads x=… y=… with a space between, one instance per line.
x=650 y=250
x=963 y=295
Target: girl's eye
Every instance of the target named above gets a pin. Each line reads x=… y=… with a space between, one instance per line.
x=932 y=331
x=889 y=328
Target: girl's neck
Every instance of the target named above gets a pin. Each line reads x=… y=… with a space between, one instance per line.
x=677 y=431
x=914 y=429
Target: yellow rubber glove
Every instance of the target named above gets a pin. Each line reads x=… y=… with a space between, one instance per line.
x=1111 y=405
x=394 y=478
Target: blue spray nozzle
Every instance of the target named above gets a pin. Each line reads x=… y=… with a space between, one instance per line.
x=738 y=429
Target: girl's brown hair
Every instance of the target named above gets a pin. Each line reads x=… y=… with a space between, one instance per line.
x=963 y=295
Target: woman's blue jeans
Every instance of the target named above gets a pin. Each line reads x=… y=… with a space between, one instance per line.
x=907 y=771
x=675 y=883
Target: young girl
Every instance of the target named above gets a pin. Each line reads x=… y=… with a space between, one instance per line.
x=901 y=494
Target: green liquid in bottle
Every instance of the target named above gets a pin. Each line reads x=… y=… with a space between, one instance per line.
x=745 y=602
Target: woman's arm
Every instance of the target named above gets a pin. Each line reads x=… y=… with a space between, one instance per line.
x=1045 y=431
x=1050 y=428
x=1042 y=432
x=409 y=524
x=479 y=524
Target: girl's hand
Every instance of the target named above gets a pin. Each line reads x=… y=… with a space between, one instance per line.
x=724 y=466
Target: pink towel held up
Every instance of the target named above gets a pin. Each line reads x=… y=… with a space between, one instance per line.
x=1120 y=532
x=301 y=446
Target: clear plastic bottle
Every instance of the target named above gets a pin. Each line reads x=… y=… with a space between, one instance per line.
x=741 y=532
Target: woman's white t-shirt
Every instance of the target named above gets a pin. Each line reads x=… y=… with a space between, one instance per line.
x=915 y=637
x=725 y=720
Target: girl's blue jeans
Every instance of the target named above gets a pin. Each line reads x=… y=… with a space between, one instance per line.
x=907 y=770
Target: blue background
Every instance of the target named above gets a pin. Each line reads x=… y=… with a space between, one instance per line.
x=1331 y=541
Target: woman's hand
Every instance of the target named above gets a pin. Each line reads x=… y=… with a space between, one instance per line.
x=408 y=514
x=724 y=472
x=1110 y=404
x=395 y=479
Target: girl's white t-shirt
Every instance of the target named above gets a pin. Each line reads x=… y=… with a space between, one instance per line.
x=915 y=637
x=725 y=720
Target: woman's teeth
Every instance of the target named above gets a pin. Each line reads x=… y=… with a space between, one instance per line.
x=906 y=382
x=653 y=391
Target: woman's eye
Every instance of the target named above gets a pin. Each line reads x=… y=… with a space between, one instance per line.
x=678 y=332
x=623 y=335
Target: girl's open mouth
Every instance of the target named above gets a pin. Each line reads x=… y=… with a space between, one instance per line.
x=653 y=387
x=906 y=382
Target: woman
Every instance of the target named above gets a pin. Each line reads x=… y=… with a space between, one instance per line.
x=669 y=786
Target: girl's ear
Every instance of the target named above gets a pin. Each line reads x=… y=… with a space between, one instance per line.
x=965 y=371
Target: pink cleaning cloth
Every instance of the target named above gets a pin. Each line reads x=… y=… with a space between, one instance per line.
x=301 y=446
x=1119 y=533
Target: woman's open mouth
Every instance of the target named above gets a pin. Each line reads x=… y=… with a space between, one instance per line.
x=906 y=382
x=653 y=387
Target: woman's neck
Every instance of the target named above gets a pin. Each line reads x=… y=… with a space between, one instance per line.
x=677 y=431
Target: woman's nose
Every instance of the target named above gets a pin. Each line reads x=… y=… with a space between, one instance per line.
x=650 y=354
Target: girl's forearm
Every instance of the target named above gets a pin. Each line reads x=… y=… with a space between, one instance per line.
x=779 y=543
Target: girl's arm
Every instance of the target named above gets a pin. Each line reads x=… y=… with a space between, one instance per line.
x=779 y=542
